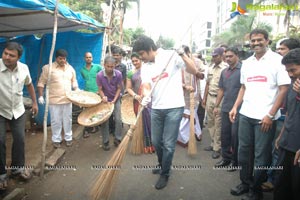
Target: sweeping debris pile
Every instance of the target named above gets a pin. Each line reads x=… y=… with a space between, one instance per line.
x=98 y=116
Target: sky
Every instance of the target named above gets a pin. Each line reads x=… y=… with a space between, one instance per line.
x=169 y=18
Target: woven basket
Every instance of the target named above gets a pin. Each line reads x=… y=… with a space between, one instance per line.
x=90 y=116
x=83 y=98
x=127 y=112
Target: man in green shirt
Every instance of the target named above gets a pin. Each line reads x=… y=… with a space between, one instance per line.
x=89 y=73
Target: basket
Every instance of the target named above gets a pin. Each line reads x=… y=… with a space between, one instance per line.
x=83 y=98
x=96 y=115
x=127 y=112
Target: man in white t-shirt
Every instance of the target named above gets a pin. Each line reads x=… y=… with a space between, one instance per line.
x=264 y=86
x=167 y=99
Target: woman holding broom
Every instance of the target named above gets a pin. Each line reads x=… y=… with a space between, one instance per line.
x=134 y=89
x=162 y=71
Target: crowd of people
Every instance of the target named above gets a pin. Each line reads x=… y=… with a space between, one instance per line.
x=251 y=107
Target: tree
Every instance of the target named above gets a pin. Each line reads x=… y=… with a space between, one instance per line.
x=165 y=43
x=237 y=33
x=288 y=15
x=91 y=7
x=130 y=35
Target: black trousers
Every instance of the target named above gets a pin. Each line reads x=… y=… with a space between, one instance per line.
x=201 y=115
x=17 y=127
x=287 y=180
x=229 y=138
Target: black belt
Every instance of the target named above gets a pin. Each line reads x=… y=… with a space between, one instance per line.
x=213 y=95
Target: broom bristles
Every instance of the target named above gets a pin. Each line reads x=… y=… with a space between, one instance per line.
x=137 y=143
x=102 y=187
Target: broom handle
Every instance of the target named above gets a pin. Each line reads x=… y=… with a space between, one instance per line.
x=151 y=91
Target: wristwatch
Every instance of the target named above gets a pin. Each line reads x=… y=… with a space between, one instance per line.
x=270 y=116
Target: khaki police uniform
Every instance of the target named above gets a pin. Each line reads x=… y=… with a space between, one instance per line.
x=214 y=121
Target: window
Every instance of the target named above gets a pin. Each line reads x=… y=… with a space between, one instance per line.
x=209 y=34
x=208 y=24
x=207 y=43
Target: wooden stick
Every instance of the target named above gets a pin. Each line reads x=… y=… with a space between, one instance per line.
x=192 y=147
x=47 y=91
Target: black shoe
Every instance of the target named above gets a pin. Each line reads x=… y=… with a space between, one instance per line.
x=209 y=148
x=162 y=182
x=117 y=142
x=106 y=146
x=157 y=169
x=232 y=167
x=240 y=189
x=216 y=154
x=222 y=163
x=251 y=195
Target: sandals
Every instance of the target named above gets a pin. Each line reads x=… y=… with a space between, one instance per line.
x=94 y=129
x=86 y=134
x=23 y=175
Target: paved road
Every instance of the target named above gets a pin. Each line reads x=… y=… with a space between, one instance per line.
x=204 y=183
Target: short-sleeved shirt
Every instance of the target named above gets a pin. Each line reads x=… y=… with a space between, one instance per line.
x=89 y=77
x=230 y=83
x=109 y=87
x=290 y=139
x=213 y=78
x=11 y=90
x=168 y=92
x=62 y=81
x=261 y=79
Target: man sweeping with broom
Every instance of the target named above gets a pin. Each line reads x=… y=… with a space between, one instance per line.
x=167 y=99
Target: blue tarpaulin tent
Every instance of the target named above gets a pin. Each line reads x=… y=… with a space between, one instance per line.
x=23 y=18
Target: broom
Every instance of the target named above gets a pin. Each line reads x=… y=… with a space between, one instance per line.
x=192 y=147
x=137 y=144
x=103 y=185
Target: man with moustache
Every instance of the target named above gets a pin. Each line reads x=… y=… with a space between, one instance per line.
x=209 y=99
x=63 y=80
x=229 y=86
x=264 y=86
x=13 y=76
x=109 y=82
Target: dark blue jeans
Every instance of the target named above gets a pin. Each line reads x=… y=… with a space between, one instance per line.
x=254 y=154
x=164 y=128
x=229 y=138
x=17 y=127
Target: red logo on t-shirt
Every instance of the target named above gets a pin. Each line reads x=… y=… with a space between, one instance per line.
x=257 y=79
x=164 y=75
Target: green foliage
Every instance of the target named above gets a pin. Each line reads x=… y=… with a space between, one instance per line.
x=89 y=7
x=236 y=35
x=165 y=43
x=130 y=35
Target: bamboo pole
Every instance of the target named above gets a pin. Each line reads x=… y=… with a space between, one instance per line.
x=47 y=91
x=192 y=147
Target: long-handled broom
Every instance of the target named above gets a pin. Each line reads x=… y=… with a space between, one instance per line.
x=102 y=187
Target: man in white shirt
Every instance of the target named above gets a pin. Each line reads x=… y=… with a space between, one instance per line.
x=13 y=76
x=167 y=99
x=264 y=86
